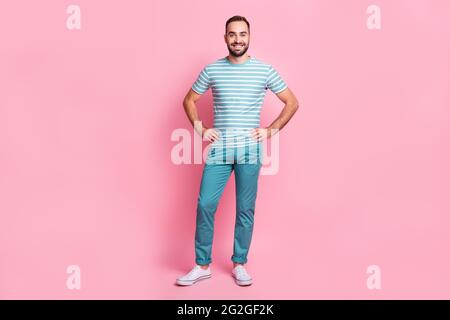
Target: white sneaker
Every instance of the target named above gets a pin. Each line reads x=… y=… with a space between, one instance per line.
x=241 y=276
x=196 y=274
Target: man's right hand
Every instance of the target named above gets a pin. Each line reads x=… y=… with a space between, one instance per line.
x=210 y=134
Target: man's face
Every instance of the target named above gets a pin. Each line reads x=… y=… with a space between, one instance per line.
x=237 y=38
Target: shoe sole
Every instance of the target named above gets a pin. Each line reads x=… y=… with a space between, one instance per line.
x=190 y=283
x=243 y=283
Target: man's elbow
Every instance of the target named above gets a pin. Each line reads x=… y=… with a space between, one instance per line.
x=186 y=102
x=190 y=99
x=294 y=104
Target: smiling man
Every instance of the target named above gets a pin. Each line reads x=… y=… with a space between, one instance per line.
x=239 y=83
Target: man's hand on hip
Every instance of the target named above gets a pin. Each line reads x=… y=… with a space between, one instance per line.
x=210 y=134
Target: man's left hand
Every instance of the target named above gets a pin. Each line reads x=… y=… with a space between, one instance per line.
x=260 y=134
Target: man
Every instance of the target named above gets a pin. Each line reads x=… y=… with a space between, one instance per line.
x=239 y=83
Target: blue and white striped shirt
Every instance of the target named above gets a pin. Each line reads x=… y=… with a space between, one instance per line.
x=238 y=91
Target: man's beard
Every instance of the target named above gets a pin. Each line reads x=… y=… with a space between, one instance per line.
x=238 y=54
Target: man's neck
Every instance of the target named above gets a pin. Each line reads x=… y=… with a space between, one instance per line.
x=241 y=59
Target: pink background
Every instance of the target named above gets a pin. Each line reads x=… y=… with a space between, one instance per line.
x=86 y=176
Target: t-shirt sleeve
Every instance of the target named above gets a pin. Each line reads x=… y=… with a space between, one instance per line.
x=274 y=81
x=202 y=83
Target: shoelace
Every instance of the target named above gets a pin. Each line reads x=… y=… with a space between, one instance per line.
x=193 y=271
x=242 y=272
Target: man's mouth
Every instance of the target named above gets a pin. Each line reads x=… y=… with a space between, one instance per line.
x=238 y=46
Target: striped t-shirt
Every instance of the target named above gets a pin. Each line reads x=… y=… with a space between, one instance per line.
x=238 y=92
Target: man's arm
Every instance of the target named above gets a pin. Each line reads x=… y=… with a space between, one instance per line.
x=290 y=107
x=191 y=111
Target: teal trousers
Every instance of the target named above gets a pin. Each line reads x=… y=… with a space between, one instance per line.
x=246 y=164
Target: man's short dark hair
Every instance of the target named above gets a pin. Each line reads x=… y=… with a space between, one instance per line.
x=237 y=18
